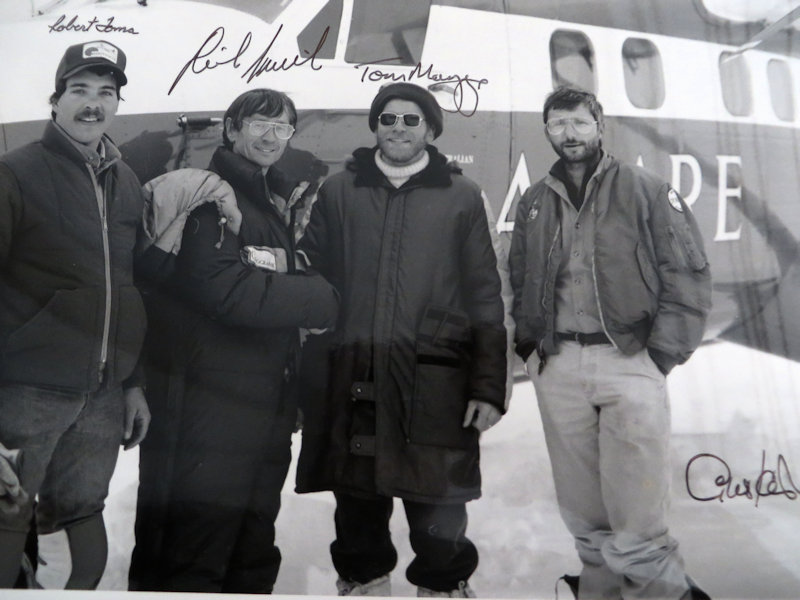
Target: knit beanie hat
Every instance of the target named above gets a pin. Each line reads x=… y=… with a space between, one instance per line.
x=413 y=93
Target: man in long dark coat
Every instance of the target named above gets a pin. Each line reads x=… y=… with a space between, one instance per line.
x=417 y=365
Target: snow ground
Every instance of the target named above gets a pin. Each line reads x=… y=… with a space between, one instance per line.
x=728 y=401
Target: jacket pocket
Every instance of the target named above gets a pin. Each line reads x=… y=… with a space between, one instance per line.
x=59 y=346
x=441 y=380
x=687 y=251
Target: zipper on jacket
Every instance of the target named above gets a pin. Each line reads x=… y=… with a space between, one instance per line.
x=290 y=259
x=548 y=282
x=407 y=408
x=100 y=193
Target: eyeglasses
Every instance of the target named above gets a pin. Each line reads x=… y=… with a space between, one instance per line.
x=581 y=126
x=409 y=119
x=283 y=131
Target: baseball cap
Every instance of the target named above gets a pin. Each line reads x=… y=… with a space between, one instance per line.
x=90 y=54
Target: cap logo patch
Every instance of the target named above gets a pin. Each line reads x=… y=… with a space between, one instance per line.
x=674 y=200
x=101 y=50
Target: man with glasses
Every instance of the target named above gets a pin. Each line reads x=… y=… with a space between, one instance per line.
x=611 y=291
x=417 y=366
x=222 y=354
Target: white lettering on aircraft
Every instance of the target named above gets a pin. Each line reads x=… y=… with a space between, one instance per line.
x=690 y=192
x=520 y=182
x=678 y=161
x=725 y=192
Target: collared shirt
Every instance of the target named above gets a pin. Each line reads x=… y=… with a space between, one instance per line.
x=281 y=204
x=98 y=159
x=576 y=303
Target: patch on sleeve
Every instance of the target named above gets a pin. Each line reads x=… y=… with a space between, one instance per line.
x=533 y=212
x=674 y=200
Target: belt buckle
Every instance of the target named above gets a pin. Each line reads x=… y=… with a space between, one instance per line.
x=576 y=336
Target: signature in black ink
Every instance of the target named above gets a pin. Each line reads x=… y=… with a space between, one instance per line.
x=213 y=54
x=93 y=24
x=463 y=87
x=770 y=482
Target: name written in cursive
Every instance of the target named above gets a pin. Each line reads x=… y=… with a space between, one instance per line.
x=213 y=54
x=94 y=24
x=770 y=482
x=463 y=87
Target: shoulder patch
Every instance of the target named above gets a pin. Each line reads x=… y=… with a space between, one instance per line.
x=532 y=213
x=674 y=200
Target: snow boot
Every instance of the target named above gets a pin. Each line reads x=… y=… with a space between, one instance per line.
x=572 y=582
x=463 y=591
x=695 y=591
x=380 y=586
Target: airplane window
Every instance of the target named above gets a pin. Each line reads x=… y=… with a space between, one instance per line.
x=736 y=86
x=387 y=31
x=780 y=89
x=309 y=38
x=644 y=75
x=572 y=60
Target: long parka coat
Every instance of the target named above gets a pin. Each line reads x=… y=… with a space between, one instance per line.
x=420 y=332
x=220 y=365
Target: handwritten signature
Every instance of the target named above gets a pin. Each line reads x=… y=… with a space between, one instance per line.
x=770 y=482
x=93 y=24
x=463 y=87
x=212 y=54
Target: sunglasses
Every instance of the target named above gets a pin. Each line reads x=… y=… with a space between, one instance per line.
x=283 y=131
x=388 y=119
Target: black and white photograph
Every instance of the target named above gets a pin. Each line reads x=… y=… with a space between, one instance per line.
x=400 y=298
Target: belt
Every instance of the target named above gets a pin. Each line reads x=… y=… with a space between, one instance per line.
x=584 y=339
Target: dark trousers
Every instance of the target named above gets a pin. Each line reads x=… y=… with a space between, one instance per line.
x=210 y=491
x=363 y=548
x=70 y=443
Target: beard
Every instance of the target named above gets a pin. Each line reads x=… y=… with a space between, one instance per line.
x=577 y=151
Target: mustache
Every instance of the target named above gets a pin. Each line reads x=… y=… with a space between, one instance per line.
x=91 y=112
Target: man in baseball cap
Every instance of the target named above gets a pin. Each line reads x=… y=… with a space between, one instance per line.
x=71 y=321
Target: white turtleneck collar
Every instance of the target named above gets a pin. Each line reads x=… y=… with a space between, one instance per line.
x=397 y=176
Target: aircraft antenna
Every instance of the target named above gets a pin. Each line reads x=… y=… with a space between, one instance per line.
x=785 y=21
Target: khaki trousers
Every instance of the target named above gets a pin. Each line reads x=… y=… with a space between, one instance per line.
x=606 y=421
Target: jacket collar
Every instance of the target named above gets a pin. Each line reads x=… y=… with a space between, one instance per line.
x=437 y=174
x=57 y=140
x=556 y=178
x=247 y=177
x=558 y=170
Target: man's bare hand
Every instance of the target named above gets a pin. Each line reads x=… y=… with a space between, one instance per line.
x=137 y=417
x=481 y=415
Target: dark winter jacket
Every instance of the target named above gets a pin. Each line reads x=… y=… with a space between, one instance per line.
x=650 y=273
x=420 y=332
x=240 y=326
x=221 y=356
x=70 y=317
